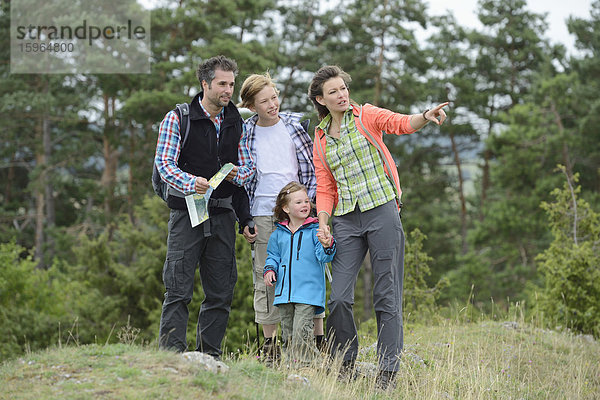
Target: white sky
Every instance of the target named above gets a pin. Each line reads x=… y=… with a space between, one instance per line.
x=464 y=12
x=558 y=12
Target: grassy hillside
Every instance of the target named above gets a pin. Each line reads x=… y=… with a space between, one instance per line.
x=449 y=360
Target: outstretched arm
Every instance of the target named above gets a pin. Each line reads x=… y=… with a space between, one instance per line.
x=436 y=115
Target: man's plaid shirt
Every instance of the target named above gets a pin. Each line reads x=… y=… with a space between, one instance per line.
x=168 y=149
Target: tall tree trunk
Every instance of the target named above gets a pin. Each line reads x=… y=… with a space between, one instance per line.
x=111 y=157
x=39 y=229
x=485 y=178
x=48 y=187
x=307 y=28
x=10 y=179
x=380 y=61
x=39 y=200
x=109 y=175
x=485 y=181
x=565 y=147
x=461 y=195
x=132 y=149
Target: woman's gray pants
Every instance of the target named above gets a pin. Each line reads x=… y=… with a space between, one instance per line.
x=380 y=231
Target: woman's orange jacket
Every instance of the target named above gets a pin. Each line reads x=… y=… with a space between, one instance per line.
x=371 y=122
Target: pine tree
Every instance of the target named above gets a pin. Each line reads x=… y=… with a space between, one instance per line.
x=571 y=291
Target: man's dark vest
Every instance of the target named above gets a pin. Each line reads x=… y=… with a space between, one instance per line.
x=201 y=155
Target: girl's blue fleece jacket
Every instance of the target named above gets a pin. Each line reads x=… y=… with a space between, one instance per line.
x=298 y=261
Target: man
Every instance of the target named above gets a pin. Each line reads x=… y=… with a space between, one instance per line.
x=280 y=152
x=213 y=140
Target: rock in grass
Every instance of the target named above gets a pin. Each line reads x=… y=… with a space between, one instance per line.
x=206 y=361
x=299 y=379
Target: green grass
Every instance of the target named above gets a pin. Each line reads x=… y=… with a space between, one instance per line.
x=448 y=360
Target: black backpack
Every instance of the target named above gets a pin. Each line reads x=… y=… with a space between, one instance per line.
x=161 y=188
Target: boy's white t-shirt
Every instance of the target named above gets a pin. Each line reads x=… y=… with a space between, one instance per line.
x=276 y=165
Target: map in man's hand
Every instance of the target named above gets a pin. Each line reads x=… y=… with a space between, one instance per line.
x=197 y=204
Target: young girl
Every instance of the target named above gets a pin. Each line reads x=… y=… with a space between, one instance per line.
x=296 y=255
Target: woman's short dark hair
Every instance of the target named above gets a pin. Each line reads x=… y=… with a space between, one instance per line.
x=206 y=70
x=316 y=85
x=283 y=199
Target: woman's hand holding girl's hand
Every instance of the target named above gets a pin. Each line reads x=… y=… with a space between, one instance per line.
x=325 y=237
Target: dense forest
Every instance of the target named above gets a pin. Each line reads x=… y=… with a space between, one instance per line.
x=500 y=203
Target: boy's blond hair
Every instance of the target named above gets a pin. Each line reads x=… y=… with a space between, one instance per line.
x=252 y=85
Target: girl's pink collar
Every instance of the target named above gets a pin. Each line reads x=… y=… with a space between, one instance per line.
x=308 y=220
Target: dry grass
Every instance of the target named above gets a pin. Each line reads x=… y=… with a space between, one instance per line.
x=450 y=360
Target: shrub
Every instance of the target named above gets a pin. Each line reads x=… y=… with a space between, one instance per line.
x=30 y=302
x=419 y=299
x=570 y=266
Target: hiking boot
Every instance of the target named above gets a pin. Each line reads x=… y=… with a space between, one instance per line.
x=348 y=371
x=321 y=343
x=270 y=353
x=385 y=380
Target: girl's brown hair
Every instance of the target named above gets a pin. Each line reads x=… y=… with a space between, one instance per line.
x=252 y=86
x=316 y=85
x=283 y=200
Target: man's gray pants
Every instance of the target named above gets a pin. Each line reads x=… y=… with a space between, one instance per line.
x=214 y=251
x=380 y=231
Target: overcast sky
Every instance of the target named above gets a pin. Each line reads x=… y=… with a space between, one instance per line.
x=558 y=11
x=464 y=11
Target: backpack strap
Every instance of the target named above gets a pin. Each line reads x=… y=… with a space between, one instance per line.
x=322 y=155
x=184 y=121
x=184 y=125
x=381 y=154
x=323 y=158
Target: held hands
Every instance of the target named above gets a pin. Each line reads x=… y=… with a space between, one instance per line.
x=270 y=278
x=435 y=113
x=325 y=237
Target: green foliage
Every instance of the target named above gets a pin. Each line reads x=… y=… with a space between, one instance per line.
x=76 y=155
x=31 y=302
x=115 y=279
x=512 y=230
x=93 y=297
x=470 y=281
x=419 y=299
x=587 y=89
x=139 y=250
x=571 y=292
x=241 y=330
